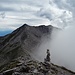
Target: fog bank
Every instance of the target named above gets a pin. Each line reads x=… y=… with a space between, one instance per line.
x=62 y=47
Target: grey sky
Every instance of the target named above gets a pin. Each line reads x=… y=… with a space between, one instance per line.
x=17 y=12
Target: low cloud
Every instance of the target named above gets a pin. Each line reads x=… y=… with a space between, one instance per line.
x=62 y=47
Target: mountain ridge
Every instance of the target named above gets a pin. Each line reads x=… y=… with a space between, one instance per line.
x=19 y=45
x=29 y=34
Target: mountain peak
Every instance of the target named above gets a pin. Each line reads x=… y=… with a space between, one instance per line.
x=24 y=25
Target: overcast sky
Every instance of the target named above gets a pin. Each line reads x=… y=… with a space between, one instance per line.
x=14 y=13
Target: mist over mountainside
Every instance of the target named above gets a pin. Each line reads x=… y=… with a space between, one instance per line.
x=22 y=44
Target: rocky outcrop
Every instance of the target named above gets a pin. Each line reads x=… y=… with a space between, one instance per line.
x=33 y=67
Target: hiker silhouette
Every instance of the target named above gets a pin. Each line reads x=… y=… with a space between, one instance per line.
x=47 y=56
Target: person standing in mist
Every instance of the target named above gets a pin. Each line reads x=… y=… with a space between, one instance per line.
x=48 y=56
x=47 y=63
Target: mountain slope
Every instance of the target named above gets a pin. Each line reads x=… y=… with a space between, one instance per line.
x=21 y=41
x=17 y=48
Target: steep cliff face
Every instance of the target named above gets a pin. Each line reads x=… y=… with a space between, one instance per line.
x=17 y=48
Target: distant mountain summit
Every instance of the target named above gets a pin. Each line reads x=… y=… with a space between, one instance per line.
x=18 y=46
